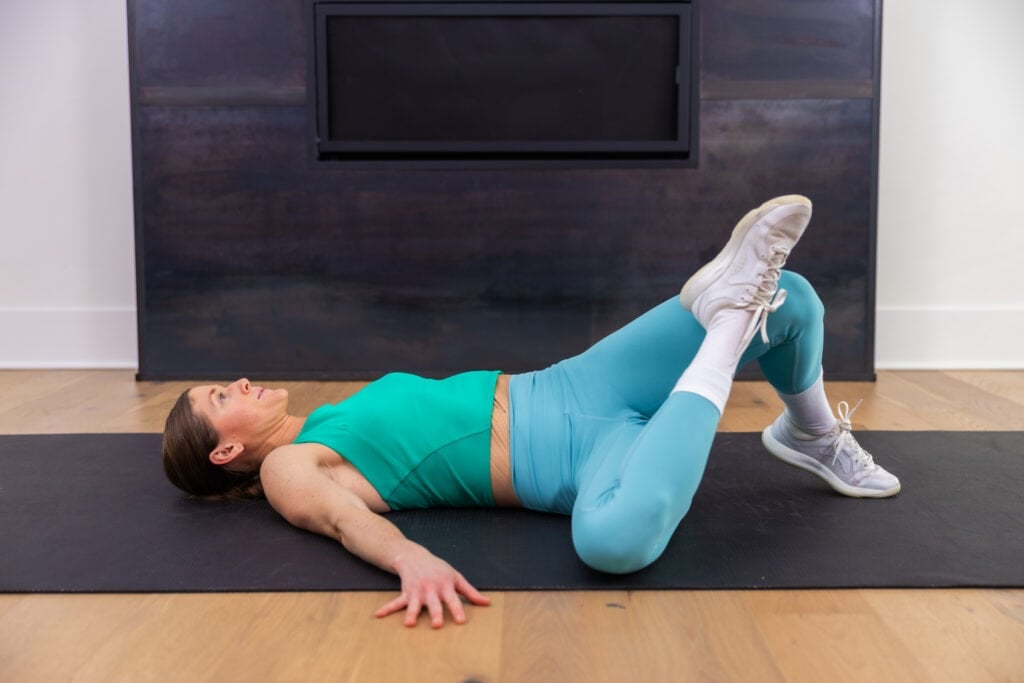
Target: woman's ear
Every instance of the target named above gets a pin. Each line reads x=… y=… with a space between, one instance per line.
x=226 y=452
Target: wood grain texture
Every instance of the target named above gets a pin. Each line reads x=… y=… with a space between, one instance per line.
x=840 y=635
x=329 y=270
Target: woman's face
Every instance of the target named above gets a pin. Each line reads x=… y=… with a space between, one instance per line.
x=239 y=411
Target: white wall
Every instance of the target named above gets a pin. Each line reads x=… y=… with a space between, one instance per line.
x=950 y=219
x=67 y=275
x=950 y=233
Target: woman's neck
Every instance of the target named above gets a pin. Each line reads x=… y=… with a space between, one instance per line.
x=282 y=434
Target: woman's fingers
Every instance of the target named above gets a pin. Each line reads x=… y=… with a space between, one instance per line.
x=413 y=612
x=434 y=608
x=451 y=598
x=392 y=607
x=467 y=589
x=435 y=595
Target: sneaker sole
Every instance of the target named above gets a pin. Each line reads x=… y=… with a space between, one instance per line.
x=711 y=271
x=798 y=459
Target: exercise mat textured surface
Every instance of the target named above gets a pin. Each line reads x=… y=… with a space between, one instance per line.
x=93 y=513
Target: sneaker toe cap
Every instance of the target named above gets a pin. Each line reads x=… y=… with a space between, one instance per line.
x=880 y=480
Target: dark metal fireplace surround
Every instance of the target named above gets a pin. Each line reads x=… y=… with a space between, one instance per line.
x=328 y=190
x=503 y=80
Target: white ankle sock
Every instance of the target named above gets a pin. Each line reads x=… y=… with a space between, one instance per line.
x=711 y=371
x=809 y=410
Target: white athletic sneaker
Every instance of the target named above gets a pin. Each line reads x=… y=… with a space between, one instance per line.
x=836 y=457
x=745 y=274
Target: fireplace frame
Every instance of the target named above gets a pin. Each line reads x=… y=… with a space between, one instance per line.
x=680 y=151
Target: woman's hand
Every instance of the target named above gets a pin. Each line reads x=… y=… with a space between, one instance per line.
x=428 y=581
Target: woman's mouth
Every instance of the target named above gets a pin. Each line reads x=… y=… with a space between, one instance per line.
x=259 y=395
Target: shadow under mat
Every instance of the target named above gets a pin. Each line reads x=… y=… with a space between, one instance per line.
x=94 y=513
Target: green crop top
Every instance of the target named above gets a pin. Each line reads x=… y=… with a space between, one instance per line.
x=419 y=442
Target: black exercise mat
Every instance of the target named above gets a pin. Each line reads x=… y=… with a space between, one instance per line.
x=94 y=513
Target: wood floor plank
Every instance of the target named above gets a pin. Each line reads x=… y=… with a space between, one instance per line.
x=21 y=387
x=947 y=403
x=237 y=636
x=632 y=636
x=972 y=635
x=776 y=602
x=38 y=627
x=814 y=647
x=999 y=383
x=931 y=635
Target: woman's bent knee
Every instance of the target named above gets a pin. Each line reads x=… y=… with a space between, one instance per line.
x=619 y=546
x=802 y=300
x=609 y=557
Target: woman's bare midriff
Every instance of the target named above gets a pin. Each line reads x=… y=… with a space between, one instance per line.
x=501 y=462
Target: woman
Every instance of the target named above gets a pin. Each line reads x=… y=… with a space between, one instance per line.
x=616 y=437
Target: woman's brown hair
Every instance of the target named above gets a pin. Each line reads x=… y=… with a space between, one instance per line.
x=188 y=440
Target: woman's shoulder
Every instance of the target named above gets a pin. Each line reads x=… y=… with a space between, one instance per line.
x=290 y=470
x=293 y=457
x=294 y=466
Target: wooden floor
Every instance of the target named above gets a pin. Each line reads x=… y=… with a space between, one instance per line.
x=814 y=636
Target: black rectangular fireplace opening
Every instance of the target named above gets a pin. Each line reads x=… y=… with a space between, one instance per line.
x=478 y=81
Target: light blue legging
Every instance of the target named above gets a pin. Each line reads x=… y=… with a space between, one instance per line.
x=599 y=436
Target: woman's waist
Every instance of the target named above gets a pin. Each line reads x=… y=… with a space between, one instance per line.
x=501 y=468
x=542 y=405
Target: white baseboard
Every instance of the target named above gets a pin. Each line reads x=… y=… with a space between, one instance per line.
x=68 y=338
x=933 y=338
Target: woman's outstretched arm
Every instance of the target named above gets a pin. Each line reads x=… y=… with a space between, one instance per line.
x=307 y=497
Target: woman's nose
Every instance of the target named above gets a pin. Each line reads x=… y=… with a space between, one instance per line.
x=243 y=385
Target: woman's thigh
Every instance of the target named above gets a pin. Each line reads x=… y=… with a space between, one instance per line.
x=634 y=368
x=637 y=480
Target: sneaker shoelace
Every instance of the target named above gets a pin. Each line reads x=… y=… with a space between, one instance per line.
x=846 y=438
x=761 y=302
